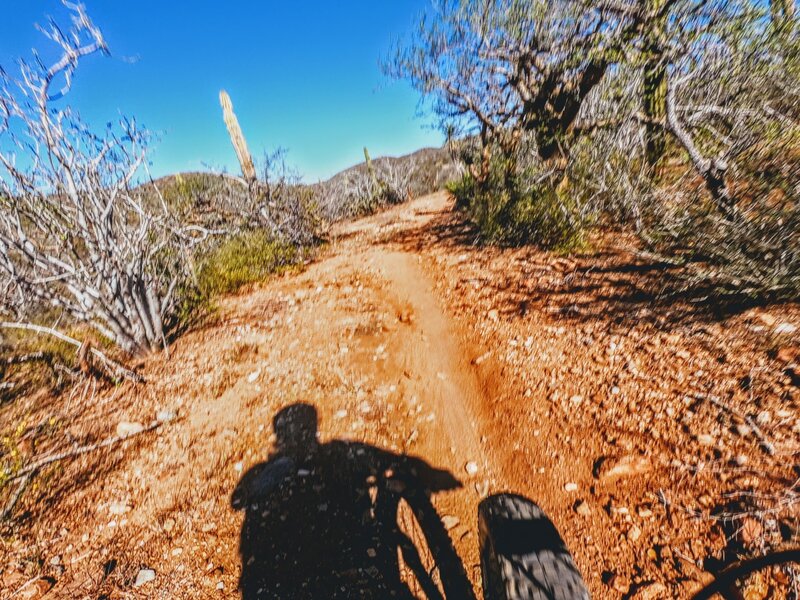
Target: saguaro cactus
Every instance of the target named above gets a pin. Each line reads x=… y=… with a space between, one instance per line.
x=237 y=137
x=370 y=168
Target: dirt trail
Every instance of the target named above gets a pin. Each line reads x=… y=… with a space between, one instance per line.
x=439 y=361
x=431 y=358
x=506 y=370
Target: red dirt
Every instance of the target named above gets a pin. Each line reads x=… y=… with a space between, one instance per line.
x=542 y=370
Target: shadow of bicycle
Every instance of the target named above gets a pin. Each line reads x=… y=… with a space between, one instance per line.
x=321 y=521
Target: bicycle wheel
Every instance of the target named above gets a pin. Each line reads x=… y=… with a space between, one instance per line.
x=522 y=554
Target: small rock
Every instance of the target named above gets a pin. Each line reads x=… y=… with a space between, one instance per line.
x=169 y=525
x=652 y=591
x=221 y=585
x=634 y=533
x=705 y=439
x=493 y=314
x=118 y=508
x=620 y=584
x=166 y=415
x=254 y=376
x=471 y=468
x=743 y=430
x=450 y=521
x=126 y=428
x=340 y=414
x=763 y=418
x=482 y=488
x=767 y=319
x=582 y=508
x=144 y=576
x=741 y=460
x=789 y=354
x=481 y=358
x=364 y=407
x=576 y=399
x=571 y=487
x=785 y=328
x=609 y=470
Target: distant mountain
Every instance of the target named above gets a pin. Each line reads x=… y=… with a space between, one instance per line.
x=433 y=169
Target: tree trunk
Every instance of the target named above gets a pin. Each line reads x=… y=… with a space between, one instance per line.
x=655 y=103
x=655 y=90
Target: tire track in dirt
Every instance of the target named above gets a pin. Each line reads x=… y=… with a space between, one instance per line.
x=434 y=354
x=433 y=366
x=432 y=362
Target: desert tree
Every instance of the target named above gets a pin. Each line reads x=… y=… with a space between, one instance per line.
x=505 y=69
x=76 y=232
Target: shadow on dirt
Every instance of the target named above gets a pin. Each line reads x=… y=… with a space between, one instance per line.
x=321 y=520
x=613 y=285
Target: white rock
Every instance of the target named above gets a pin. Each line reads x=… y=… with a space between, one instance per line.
x=126 y=428
x=144 y=576
x=705 y=439
x=254 y=376
x=571 y=487
x=166 y=415
x=787 y=328
x=471 y=468
x=583 y=508
x=634 y=534
x=450 y=521
x=118 y=508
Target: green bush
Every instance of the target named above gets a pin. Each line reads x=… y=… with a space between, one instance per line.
x=248 y=257
x=520 y=206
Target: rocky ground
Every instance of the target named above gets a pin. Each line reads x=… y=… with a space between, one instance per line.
x=657 y=429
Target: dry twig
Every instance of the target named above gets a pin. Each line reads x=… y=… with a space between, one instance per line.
x=762 y=438
x=113 y=367
x=75 y=452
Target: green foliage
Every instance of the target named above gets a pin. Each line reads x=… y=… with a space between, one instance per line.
x=246 y=258
x=522 y=205
x=11 y=459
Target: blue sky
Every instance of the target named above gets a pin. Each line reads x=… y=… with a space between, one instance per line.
x=303 y=75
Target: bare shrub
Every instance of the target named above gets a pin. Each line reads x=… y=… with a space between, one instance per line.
x=75 y=231
x=367 y=188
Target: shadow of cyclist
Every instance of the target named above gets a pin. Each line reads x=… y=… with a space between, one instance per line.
x=321 y=520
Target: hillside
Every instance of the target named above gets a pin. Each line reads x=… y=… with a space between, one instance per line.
x=432 y=167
